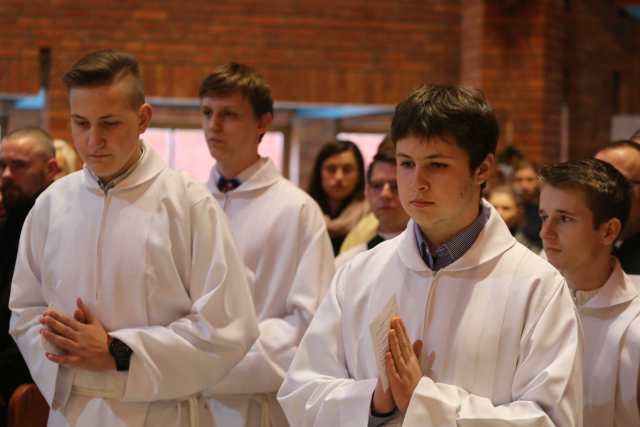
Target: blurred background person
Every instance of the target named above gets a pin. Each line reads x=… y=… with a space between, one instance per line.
x=527 y=186
x=509 y=206
x=387 y=218
x=27 y=167
x=497 y=179
x=624 y=155
x=337 y=185
x=67 y=158
x=3 y=212
x=507 y=160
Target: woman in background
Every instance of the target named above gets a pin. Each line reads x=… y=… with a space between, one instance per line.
x=337 y=185
x=66 y=157
x=509 y=206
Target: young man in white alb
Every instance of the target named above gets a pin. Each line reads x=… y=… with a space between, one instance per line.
x=129 y=297
x=484 y=334
x=584 y=205
x=281 y=235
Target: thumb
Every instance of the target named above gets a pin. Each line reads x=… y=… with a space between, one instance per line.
x=89 y=318
x=417 y=348
x=79 y=316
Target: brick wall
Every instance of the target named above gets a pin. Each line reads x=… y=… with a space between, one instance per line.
x=359 y=52
x=529 y=57
x=511 y=51
x=603 y=43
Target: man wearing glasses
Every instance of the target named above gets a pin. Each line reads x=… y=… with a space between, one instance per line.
x=388 y=218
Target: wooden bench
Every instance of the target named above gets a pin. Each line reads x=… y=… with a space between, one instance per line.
x=27 y=407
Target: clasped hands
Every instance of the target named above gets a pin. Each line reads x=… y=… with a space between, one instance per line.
x=83 y=339
x=402 y=363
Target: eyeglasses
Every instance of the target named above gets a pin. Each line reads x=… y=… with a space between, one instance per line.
x=378 y=186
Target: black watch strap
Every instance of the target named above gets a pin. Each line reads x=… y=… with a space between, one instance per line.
x=121 y=353
x=375 y=414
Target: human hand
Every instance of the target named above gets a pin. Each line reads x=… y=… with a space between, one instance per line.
x=382 y=402
x=83 y=340
x=402 y=363
x=79 y=315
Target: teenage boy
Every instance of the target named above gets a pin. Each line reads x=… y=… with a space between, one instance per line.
x=129 y=297
x=485 y=331
x=584 y=206
x=281 y=235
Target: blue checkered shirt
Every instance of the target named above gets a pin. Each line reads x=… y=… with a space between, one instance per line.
x=455 y=247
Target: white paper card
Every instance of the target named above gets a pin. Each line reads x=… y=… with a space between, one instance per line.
x=379 y=329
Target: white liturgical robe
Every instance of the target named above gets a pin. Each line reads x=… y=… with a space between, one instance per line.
x=500 y=321
x=154 y=260
x=611 y=325
x=282 y=238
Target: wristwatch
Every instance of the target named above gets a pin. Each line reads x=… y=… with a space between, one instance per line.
x=121 y=353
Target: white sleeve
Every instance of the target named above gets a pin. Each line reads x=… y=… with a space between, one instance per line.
x=27 y=303
x=272 y=354
x=197 y=350
x=318 y=390
x=547 y=387
x=628 y=394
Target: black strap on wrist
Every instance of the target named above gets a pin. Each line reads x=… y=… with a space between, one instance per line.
x=121 y=354
x=378 y=414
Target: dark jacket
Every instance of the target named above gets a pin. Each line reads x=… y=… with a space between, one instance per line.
x=12 y=365
x=629 y=254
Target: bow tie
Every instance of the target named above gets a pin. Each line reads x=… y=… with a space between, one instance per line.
x=225 y=184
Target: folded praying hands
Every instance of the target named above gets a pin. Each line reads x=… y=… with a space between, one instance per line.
x=83 y=340
x=402 y=363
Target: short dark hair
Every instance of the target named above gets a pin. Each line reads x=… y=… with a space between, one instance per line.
x=233 y=77
x=330 y=149
x=607 y=192
x=449 y=112
x=104 y=67
x=510 y=155
x=386 y=154
x=38 y=135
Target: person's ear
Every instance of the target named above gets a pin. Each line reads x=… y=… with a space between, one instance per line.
x=264 y=123
x=610 y=231
x=485 y=169
x=52 y=168
x=144 y=117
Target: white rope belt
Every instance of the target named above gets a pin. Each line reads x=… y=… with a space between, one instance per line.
x=260 y=399
x=265 y=412
x=194 y=416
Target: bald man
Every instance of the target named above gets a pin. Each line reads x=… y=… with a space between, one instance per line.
x=27 y=167
x=624 y=155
